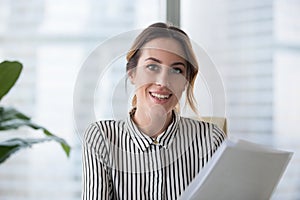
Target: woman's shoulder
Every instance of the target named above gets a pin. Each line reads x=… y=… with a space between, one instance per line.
x=206 y=126
x=103 y=129
x=204 y=130
x=108 y=124
x=195 y=121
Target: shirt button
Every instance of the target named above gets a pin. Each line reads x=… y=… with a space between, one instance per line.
x=155 y=142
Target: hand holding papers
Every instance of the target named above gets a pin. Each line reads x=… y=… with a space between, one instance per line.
x=239 y=170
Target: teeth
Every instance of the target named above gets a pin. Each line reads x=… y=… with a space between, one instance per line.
x=160 y=96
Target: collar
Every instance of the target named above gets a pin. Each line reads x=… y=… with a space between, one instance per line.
x=144 y=141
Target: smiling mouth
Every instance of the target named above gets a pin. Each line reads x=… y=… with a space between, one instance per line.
x=160 y=96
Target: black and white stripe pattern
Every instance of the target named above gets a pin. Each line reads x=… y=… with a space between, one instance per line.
x=120 y=162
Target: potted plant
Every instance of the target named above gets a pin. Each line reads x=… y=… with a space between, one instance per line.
x=10 y=118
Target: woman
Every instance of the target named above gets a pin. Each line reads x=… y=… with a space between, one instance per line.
x=154 y=153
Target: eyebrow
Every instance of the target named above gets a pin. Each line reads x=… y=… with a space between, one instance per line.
x=159 y=61
x=153 y=59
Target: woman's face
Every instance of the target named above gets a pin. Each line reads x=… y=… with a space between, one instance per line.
x=160 y=76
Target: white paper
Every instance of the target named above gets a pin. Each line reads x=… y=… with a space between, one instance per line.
x=239 y=170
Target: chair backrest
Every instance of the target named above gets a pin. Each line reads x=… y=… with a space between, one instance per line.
x=221 y=122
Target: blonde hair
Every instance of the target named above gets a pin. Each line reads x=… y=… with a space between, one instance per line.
x=162 y=30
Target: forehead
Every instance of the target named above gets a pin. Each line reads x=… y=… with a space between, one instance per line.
x=168 y=45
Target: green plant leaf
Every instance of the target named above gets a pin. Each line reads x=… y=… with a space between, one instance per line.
x=9 y=74
x=11 y=118
x=9 y=147
x=8 y=113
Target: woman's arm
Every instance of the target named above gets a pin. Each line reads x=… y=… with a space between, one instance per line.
x=95 y=176
x=218 y=137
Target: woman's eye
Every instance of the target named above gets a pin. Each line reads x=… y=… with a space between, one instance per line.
x=176 y=70
x=153 y=67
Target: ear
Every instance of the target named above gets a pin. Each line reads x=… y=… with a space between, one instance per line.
x=131 y=76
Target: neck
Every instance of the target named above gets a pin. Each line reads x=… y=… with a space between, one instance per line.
x=152 y=122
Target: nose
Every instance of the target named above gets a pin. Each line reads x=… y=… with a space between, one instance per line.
x=163 y=78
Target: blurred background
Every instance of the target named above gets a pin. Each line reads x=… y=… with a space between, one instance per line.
x=254 y=45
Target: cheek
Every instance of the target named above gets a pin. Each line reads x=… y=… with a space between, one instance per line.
x=179 y=84
x=142 y=79
x=141 y=83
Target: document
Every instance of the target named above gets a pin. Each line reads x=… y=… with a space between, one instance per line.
x=239 y=170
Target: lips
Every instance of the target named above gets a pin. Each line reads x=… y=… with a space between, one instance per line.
x=159 y=96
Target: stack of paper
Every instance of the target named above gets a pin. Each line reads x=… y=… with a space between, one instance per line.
x=239 y=170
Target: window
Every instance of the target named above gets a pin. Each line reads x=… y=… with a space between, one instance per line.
x=53 y=38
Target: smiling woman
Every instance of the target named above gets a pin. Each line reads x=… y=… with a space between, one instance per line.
x=154 y=153
x=159 y=79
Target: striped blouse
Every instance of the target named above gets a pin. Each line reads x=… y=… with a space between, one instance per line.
x=120 y=162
